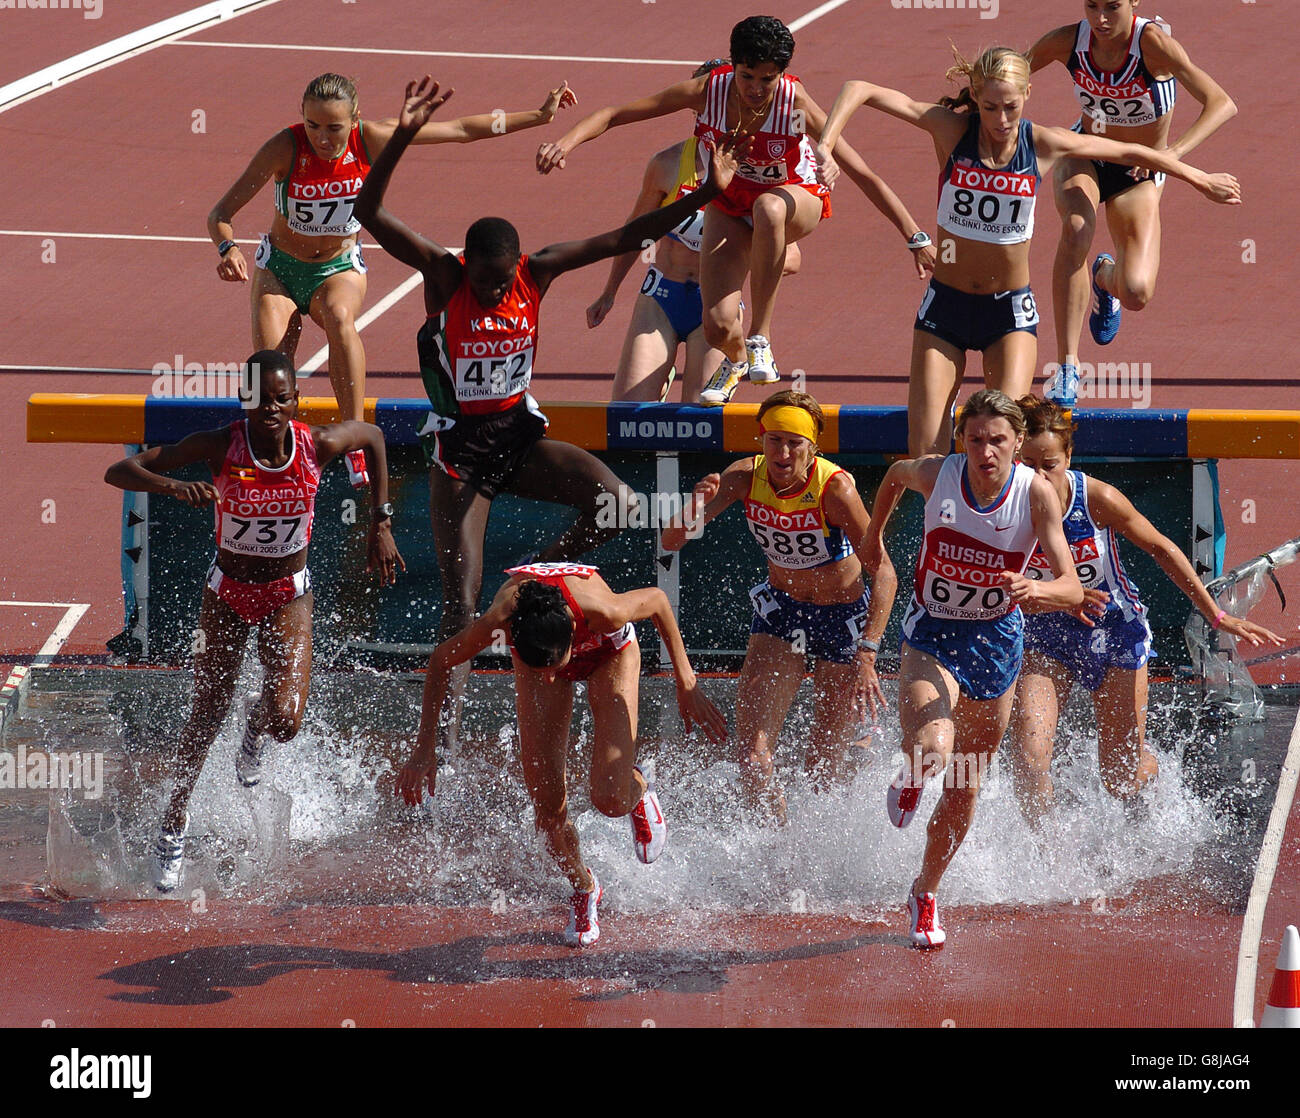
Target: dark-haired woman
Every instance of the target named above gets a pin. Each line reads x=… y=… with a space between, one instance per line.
x=310 y=262
x=564 y=625
x=774 y=200
x=805 y=513
x=1108 y=652
x=477 y=348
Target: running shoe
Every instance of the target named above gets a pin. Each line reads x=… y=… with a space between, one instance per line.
x=248 y=761
x=1063 y=386
x=357 y=473
x=762 y=365
x=903 y=798
x=722 y=385
x=649 y=831
x=926 y=930
x=584 y=922
x=169 y=858
x=1103 y=322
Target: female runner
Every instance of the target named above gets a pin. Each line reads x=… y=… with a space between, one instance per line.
x=806 y=515
x=477 y=346
x=1107 y=654
x=1125 y=71
x=992 y=161
x=775 y=198
x=962 y=633
x=567 y=625
x=265 y=469
x=310 y=262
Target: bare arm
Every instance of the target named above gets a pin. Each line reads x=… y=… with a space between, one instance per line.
x=483 y=126
x=1055 y=46
x=711 y=496
x=918 y=474
x=273 y=159
x=653 y=192
x=143 y=472
x=1164 y=54
x=943 y=124
x=1064 y=591
x=334 y=439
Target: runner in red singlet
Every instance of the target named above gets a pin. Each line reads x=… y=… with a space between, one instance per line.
x=265 y=469
x=310 y=262
x=565 y=624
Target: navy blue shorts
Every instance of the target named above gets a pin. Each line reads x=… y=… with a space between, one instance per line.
x=1089 y=653
x=681 y=302
x=982 y=656
x=823 y=632
x=975 y=321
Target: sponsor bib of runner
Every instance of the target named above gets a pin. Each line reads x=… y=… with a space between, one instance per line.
x=961 y=577
x=996 y=207
x=1087 y=563
x=265 y=512
x=793 y=540
x=493 y=367
x=317 y=197
x=1116 y=106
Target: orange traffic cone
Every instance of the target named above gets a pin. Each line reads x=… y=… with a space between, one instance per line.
x=1282 y=1011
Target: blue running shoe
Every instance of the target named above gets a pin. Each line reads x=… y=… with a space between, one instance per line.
x=1063 y=387
x=1103 y=322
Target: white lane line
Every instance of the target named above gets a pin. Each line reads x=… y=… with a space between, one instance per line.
x=113 y=236
x=317 y=359
x=123 y=47
x=447 y=53
x=16 y=685
x=817 y=13
x=1243 y=1002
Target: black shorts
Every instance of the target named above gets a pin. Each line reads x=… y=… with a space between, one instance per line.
x=975 y=321
x=1115 y=178
x=484 y=451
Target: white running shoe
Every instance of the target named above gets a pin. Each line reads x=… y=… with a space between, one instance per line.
x=169 y=858
x=357 y=472
x=722 y=385
x=248 y=760
x=584 y=921
x=762 y=365
x=649 y=831
x=924 y=912
x=903 y=798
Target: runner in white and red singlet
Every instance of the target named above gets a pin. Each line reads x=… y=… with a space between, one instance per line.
x=992 y=162
x=477 y=347
x=265 y=469
x=775 y=198
x=963 y=630
x=310 y=262
x=566 y=625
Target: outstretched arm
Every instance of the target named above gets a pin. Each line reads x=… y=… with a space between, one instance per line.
x=650 y=199
x=943 y=124
x=143 y=472
x=482 y=126
x=710 y=498
x=1064 y=591
x=1163 y=54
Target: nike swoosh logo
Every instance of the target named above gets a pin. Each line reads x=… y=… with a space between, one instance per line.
x=1004 y=528
x=1001 y=294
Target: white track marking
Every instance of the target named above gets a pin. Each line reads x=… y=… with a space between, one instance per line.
x=12 y=692
x=317 y=359
x=807 y=18
x=1243 y=1002
x=123 y=47
x=444 y=53
x=114 y=236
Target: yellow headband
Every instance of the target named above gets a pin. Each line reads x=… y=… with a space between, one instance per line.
x=786 y=417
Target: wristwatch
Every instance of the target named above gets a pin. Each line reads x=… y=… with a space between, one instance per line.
x=866 y=644
x=919 y=239
x=225 y=247
x=382 y=512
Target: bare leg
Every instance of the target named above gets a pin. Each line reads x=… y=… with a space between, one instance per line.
x=1120 y=704
x=613 y=691
x=781 y=216
x=335 y=305
x=1134 y=221
x=724 y=263
x=937 y=370
x=1009 y=363
x=768 y=683
x=1075 y=184
x=833 y=720
x=1041 y=695
x=276 y=321
x=648 y=350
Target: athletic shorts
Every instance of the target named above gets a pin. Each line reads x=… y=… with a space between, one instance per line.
x=1115 y=178
x=824 y=632
x=254 y=602
x=975 y=321
x=1088 y=653
x=982 y=656
x=583 y=664
x=300 y=278
x=679 y=300
x=484 y=451
x=739 y=198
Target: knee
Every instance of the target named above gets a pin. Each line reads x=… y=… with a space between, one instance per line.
x=1076 y=235
x=337 y=318
x=717 y=327
x=1135 y=297
x=769 y=212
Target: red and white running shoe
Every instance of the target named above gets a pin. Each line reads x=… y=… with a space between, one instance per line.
x=926 y=930
x=357 y=472
x=903 y=798
x=649 y=830
x=584 y=921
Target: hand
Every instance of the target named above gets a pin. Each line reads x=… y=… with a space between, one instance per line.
x=923 y=259
x=232 y=267
x=599 y=309
x=1093 y=607
x=1023 y=591
x=551 y=156
x=421 y=768
x=725 y=157
x=693 y=515
x=1221 y=188
x=1249 y=631
x=562 y=98
x=421 y=103
x=697 y=710
x=382 y=555
x=1141 y=174
x=195 y=493
x=866 y=690
x=827 y=169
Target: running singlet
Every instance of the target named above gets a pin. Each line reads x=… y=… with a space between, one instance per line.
x=966 y=548
x=316 y=199
x=691 y=231
x=779 y=153
x=1096 y=559
x=584 y=640
x=982 y=204
x=266 y=512
x=483 y=357
x=792 y=531
x=1123 y=98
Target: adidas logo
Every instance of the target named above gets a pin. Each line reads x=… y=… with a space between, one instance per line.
x=807 y=499
x=349 y=158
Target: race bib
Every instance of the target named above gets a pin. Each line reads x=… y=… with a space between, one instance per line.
x=992 y=206
x=793 y=540
x=494 y=378
x=1087 y=564
x=265 y=536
